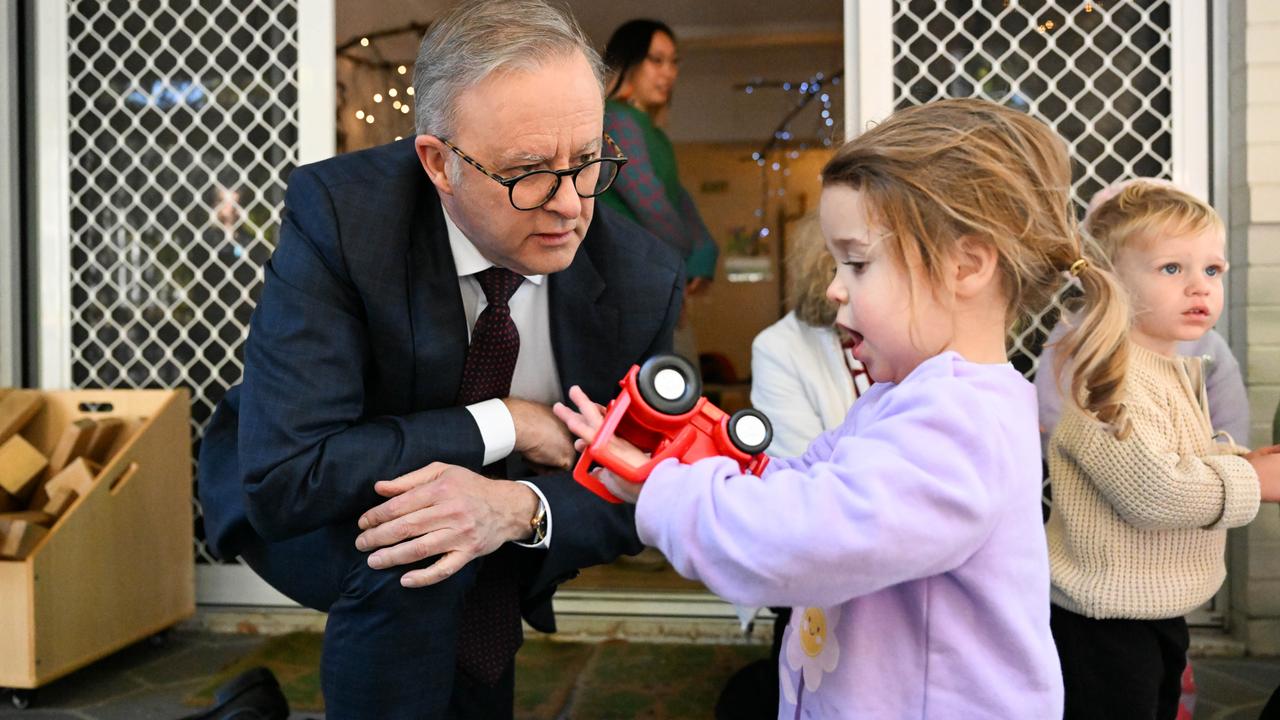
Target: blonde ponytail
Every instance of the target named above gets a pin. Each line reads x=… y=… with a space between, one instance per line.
x=1096 y=347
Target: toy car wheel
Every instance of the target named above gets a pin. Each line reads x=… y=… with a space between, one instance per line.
x=669 y=384
x=750 y=431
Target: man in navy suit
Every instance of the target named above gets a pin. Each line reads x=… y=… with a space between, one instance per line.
x=344 y=468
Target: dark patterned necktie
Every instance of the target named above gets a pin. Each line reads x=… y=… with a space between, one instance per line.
x=495 y=341
x=489 y=633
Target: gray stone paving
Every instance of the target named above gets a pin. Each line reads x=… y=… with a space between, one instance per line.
x=1234 y=688
x=149 y=681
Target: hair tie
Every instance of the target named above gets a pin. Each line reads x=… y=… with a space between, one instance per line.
x=1078 y=267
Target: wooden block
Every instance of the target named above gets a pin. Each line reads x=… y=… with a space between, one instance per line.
x=72 y=444
x=8 y=503
x=77 y=477
x=19 y=537
x=35 y=517
x=20 y=466
x=104 y=437
x=16 y=408
x=59 y=500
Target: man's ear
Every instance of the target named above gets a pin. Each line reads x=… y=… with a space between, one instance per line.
x=975 y=266
x=434 y=156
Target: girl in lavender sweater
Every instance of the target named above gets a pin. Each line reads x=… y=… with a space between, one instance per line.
x=909 y=539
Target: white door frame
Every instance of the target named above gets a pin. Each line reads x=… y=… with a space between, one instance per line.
x=53 y=199
x=11 y=342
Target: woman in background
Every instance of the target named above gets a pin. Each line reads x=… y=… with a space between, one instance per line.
x=643 y=63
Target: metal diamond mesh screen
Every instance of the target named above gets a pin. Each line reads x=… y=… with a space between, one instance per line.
x=1097 y=72
x=183 y=127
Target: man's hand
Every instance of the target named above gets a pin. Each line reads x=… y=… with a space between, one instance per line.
x=1266 y=462
x=696 y=286
x=443 y=510
x=540 y=437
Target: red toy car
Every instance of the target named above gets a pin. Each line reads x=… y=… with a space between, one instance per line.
x=660 y=410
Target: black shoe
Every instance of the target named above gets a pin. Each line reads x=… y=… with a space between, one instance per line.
x=252 y=695
x=751 y=693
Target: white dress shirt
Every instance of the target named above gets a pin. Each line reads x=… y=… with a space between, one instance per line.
x=535 y=376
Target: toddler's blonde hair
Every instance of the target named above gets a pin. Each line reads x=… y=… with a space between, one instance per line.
x=1138 y=212
x=936 y=173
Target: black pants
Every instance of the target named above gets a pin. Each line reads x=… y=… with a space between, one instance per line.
x=1272 y=710
x=388 y=650
x=751 y=693
x=1120 y=669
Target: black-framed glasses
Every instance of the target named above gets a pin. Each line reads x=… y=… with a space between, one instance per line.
x=532 y=190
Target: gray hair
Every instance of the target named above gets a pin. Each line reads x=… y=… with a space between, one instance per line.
x=475 y=39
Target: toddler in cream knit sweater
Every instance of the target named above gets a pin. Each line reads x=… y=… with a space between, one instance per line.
x=1142 y=502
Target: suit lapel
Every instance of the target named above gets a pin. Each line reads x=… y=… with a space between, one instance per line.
x=584 y=332
x=435 y=309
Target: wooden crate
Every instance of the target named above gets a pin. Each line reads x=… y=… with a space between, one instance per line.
x=117 y=566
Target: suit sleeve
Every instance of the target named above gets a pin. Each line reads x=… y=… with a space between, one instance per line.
x=308 y=455
x=588 y=530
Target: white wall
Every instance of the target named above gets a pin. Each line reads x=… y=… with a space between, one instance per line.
x=707 y=107
x=1254 y=97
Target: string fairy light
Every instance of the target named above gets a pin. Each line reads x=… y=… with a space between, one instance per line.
x=366 y=50
x=784 y=145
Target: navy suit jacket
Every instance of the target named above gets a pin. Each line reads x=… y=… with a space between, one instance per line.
x=355 y=354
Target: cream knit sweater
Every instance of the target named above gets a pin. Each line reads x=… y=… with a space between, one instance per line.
x=1139 y=526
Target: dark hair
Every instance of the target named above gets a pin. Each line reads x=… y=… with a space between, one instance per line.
x=629 y=46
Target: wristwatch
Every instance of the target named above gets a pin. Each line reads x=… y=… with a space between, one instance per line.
x=538 y=523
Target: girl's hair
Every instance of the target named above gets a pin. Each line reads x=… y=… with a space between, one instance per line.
x=629 y=46
x=811 y=268
x=934 y=174
x=1141 y=211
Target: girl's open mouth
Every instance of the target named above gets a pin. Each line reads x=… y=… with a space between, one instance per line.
x=850 y=339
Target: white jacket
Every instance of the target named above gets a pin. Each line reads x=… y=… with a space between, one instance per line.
x=799 y=379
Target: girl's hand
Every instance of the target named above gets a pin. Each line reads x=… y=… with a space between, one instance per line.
x=585 y=423
x=1266 y=462
x=623 y=489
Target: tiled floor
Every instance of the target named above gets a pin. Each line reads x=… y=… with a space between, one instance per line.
x=1234 y=688
x=148 y=681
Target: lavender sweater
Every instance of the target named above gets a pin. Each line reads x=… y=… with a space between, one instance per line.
x=909 y=540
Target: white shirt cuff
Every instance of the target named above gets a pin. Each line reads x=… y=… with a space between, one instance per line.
x=497 y=429
x=546 y=539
